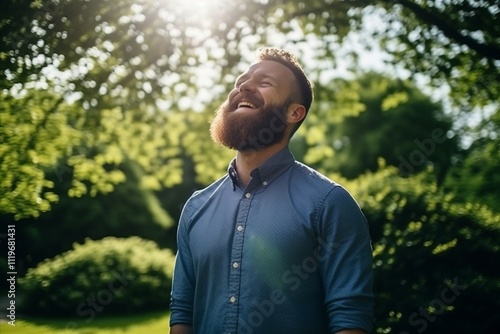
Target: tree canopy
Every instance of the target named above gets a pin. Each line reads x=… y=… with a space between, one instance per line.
x=120 y=74
x=395 y=121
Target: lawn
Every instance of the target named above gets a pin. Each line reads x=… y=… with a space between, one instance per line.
x=151 y=323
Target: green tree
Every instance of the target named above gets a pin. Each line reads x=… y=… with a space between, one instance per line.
x=35 y=132
x=434 y=255
x=475 y=177
x=119 y=76
x=132 y=64
x=454 y=42
x=38 y=132
x=398 y=123
x=130 y=210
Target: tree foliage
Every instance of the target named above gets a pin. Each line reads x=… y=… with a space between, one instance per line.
x=127 y=71
x=389 y=118
x=125 y=66
x=130 y=210
x=476 y=177
x=455 y=41
x=35 y=133
x=434 y=255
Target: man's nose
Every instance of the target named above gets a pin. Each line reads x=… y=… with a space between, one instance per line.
x=247 y=86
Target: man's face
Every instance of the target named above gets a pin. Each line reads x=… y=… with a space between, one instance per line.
x=254 y=115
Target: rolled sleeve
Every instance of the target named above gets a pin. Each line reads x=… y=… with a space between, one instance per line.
x=347 y=269
x=183 y=280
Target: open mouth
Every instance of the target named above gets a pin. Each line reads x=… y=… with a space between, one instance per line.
x=246 y=104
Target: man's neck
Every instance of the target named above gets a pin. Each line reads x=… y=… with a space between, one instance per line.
x=247 y=161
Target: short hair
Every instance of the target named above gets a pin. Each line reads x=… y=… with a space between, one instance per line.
x=287 y=59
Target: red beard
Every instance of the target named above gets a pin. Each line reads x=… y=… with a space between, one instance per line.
x=249 y=130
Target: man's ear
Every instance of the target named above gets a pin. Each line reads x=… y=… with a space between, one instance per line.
x=296 y=113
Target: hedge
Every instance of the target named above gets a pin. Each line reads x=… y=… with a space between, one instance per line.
x=112 y=275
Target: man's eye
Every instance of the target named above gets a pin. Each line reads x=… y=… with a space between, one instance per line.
x=265 y=83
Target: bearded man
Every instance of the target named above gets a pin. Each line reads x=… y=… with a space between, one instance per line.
x=273 y=246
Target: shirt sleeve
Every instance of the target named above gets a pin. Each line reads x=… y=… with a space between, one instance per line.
x=183 y=280
x=346 y=264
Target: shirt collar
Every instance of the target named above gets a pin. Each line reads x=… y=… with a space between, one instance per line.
x=268 y=171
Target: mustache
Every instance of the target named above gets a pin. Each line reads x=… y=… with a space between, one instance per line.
x=233 y=103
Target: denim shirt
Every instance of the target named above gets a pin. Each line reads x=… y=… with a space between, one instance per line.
x=290 y=253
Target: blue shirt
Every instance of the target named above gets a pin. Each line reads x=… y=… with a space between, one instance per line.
x=290 y=253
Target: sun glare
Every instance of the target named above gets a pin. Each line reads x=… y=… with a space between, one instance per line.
x=204 y=8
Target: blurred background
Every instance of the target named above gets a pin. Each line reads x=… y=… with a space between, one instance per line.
x=104 y=115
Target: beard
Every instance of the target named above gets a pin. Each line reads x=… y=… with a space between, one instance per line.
x=249 y=130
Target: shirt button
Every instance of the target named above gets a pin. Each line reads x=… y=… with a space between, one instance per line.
x=264 y=183
x=239 y=228
x=235 y=265
x=248 y=195
x=232 y=299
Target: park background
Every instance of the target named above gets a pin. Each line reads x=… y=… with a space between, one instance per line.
x=104 y=115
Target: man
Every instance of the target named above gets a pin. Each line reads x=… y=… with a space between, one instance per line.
x=273 y=246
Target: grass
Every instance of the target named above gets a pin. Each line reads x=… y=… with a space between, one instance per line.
x=151 y=323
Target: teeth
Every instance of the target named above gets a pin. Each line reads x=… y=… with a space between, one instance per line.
x=247 y=105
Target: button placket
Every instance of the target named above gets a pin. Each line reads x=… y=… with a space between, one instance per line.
x=236 y=262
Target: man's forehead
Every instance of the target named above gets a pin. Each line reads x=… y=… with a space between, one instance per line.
x=269 y=67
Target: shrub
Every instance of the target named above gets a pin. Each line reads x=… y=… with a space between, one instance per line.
x=111 y=275
x=435 y=257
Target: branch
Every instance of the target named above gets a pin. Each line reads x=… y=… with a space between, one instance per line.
x=450 y=31
x=339 y=3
